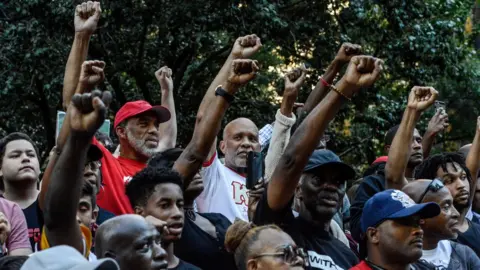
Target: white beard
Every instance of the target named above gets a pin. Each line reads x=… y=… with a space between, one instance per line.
x=139 y=146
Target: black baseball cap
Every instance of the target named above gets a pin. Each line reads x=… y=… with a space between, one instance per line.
x=322 y=158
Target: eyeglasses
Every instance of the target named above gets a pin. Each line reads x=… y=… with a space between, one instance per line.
x=434 y=186
x=289 y=253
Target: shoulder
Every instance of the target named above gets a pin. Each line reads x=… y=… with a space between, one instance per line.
x=216 y=218
x=183 y=265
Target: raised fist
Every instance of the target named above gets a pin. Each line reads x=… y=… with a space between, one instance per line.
x=294 y=80
x=92 y=73
x=347 y=51
x=164 y=77
x=86 y=17
x=421 y=98
x=363 y=71
x=242 y=71
x=246 y=47
x=87 y=111
x=4 y=228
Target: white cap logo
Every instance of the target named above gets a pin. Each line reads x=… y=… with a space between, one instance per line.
x=406 y=201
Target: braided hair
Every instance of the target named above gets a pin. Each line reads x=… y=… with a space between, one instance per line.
x=428 y=168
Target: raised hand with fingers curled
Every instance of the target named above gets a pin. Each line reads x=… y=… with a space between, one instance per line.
x=88 y=111
x=87 y=16
x=241 y=72
x=246 y=46
x=91 y=75
x=421 y=98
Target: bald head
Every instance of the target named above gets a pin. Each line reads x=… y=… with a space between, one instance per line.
x=464 y=150
x=415 y=189
x=240 y=136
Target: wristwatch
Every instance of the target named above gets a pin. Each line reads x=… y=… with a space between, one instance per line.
x=221 y=92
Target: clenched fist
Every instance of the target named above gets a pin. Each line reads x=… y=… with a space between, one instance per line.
x=294 y=80
x=86 y=17
x=421 y=98
x=92 y=73
x=347 y=51
x=241 y=72
x=246 y=47
x=88 y=111
x=362 y=71
x=164 y=77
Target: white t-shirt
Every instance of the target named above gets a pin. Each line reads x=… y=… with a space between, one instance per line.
x=224 y=191
x=440 y=256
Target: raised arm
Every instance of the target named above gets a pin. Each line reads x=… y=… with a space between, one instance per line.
x=473 y=157
x=243 y=48
x=91 y=74
x=344 y=54
x=284 y=120
x=207 y=127
x=86 y=19
x=362 y=72
x=168 y=130
x=437 y=124
x=420 y=99
x=87 y=114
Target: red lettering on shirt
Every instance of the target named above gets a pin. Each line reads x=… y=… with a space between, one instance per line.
x=35 y=234
x=240 y=195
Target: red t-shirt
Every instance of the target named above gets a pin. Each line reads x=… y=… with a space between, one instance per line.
x=361 y=266
x=116 y=173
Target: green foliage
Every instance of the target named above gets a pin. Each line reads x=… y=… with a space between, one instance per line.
x=422 y=42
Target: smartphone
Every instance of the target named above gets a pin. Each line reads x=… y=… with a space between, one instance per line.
x=254 y=168
x=440 y=106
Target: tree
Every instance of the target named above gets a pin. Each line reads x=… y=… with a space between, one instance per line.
x=422 y=42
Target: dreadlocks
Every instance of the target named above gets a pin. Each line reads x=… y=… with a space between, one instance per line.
x=428 y=168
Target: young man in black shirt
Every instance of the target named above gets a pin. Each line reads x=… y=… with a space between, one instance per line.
x=320 y=193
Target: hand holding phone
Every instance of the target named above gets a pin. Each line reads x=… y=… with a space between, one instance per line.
x=254 y=169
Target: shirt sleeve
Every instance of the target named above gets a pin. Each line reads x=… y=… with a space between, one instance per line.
x=265 y=215
x=18 y=237
x=211 y=173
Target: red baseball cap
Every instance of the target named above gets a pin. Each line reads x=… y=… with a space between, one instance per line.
x=134 y=108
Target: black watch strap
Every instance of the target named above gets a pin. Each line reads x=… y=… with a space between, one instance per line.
x=221 y=92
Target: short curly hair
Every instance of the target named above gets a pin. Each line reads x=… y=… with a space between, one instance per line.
x=143 y=184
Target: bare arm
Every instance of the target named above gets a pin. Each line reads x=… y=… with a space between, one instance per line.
x=168 y=130
x=86 y=19
x=62 y=196
x=420 y=99
x=208 y=125
x=473 y=157
x=345 y=53
x=244 y=47
x=287 y=174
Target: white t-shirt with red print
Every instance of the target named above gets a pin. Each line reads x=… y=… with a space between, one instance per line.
x=224 y=191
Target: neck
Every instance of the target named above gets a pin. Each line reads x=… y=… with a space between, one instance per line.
x=430 y=242
x=382 y=261
x=188 y=203
x=126 y=151
x=22 y=193
x=409 y=172
x=321 y=224
x=171 y=258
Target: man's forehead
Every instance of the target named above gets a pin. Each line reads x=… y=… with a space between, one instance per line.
x=19 y=145
x=416 y=134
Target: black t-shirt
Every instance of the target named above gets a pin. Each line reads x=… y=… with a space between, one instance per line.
x=200 y=248
x=324 y=250
x=370 y=186
x=184 y=266
x=34 y=217
x=471 y=237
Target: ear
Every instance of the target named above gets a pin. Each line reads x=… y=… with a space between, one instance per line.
x=95 y=214
x=223 y=147
x=139 y=210
x=252 y=264
x=121 y=132
x=109 y=254
x=298 y=192
x=373 y=235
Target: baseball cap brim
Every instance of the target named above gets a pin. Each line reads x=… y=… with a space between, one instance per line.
x=163 y=114
x=424 y=210
x=346 y=171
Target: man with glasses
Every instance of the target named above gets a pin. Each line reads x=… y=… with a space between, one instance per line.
x=438 y=249
x=391 y=231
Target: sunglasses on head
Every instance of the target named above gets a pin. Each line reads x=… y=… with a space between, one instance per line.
x=289 y=254
x=434 y=186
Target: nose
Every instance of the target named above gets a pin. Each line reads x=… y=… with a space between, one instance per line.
x=25 y=158
x=460 y=184
x=455 y=213
x=153 y=128
x=299 y=261
x=416 y=144
x=159 y=254
x=417 y=231
x=177 y=213
x=78 y=220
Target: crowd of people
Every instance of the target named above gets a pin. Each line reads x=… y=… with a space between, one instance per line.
x=146 y=204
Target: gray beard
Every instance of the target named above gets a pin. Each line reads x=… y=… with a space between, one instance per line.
x=139 y=146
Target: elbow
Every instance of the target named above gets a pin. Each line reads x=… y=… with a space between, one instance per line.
x=200 y=115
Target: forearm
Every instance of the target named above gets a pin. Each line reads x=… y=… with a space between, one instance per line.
x=287 y=174
x=46 y=178
x=399 y=152
x=63 y=194
x=168 y=130
x=78 y=54
x=473 y=158
x=321 y=90
x=427 y=143
x=207 y=127
x=280 y=138
x=221 y=77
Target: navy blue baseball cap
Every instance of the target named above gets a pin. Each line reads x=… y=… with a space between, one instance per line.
x=322 y=158
x=394 y=204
